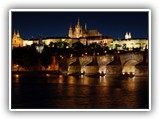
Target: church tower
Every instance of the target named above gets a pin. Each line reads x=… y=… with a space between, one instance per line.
x=78 y=30
x=18 y=35
x=128 y=35
x=85 y=28
x=14 y=35
x=17 y=40
x=70 y=33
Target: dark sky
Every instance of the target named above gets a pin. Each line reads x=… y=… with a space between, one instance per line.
x=54 y=24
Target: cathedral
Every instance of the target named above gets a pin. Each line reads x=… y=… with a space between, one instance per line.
x=78 y=31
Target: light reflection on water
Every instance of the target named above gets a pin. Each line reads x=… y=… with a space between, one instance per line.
x=79 y=92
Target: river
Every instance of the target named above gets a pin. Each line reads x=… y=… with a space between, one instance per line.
x=81 y=92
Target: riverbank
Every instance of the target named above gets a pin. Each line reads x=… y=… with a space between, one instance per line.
x=36 y=72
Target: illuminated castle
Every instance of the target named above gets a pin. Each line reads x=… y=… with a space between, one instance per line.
x=79 y=32
x=86 y=37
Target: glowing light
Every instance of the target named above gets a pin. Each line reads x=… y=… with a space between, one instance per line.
x=39 y=48
x=61 y=56
x=85 y=53
x=71 y=55
x=47 y=75
x=71 y=80
x=61 y=76
x=60 y=80
x=82 y=72
x=123 y=73
x=97 y=53
x=17 y=76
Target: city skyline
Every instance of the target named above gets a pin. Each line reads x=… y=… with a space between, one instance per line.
x=56 y=24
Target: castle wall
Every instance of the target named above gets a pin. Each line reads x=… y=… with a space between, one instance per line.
x=131 y=43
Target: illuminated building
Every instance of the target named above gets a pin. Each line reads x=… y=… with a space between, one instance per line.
x=86 y=37
x=40 y=46
x=129 y=43
x=17 y=40
x=79 y=32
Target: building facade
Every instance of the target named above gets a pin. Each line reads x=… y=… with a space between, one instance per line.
x=129 y=43
x=17 y=41
x=78 y=31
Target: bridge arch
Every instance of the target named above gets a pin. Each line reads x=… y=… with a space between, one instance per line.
x=131 y=56
x=129 y=66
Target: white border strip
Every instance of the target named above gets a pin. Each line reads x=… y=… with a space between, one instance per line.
x=10 y=69
x=149 y=11
x=79 y=10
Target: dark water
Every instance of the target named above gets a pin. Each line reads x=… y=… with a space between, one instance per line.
x=79 y=92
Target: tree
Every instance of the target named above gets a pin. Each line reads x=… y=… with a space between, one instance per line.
x=31 y=58
x=46 y=57
x=77 y=46
x=62 y=44
x=51 y=44
x=18 y=56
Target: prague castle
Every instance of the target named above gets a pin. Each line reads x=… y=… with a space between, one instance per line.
x=79 y=32
x=130 y=43
x=86 y=37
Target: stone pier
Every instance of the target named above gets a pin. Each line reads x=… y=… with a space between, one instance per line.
x=142 y=67
x=115 y=67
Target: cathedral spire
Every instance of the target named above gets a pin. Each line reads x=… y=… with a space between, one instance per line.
x=70 y=27
x=78 y=22
x=18 y=35
x=70 y=32
x=14 y=34
x=129 y=35
x=85 y=26
x=126 y=35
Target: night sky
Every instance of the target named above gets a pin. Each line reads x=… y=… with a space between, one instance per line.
x=56 y=24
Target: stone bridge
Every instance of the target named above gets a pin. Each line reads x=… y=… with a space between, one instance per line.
x=138 y=57
x=127 y=62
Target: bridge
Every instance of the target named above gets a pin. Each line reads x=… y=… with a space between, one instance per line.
x=106 y=64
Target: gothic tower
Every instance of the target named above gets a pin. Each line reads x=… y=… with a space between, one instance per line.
x=128 y=35
x=18 y=35
x=85 y=28
x=70 y=33
x=78 y=30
